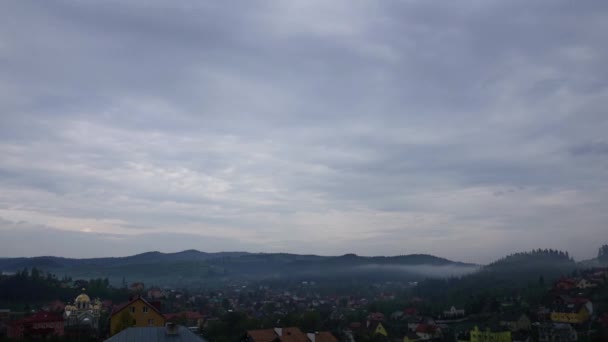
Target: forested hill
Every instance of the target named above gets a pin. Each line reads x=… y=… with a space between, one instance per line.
x=192 y=266
x=533 y=260
x=528 y=271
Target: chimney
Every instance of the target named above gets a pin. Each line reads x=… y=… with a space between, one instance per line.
x=171 y=329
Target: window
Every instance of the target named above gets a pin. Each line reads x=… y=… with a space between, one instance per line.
x=145 y=309
x=151 y=321
x=132 y=309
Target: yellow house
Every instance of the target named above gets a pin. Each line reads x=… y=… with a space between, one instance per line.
x=575 y=315
x=488 y=335
x=137 y=313
x=379 y=330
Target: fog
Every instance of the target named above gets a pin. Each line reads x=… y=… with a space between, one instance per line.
x=433 y=271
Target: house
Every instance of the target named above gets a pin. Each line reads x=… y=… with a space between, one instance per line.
x=565 y=284
x=137 y=313
x=42 y=324
x=584 y=284
x=191 y=318
x=428 y=331
x=171 y=332
x=291 y=334
x=137 y=287
x=411 y=337
x=550 y=332
x=515 y=321
x=453 y=312
x=410 y=312
x=376 y=328
x=573 y=313
x=376 y=316
x=321 y=336
x=156 y=293
x=494 y=334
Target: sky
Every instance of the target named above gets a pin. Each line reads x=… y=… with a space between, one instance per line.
x=464 y=129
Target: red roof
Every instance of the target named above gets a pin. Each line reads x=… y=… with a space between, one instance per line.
x=376 y=316
x=426 y=328
x=262 y=335
x=355 y=325
x=191 y=315
x=410 y=311
x=40 y=317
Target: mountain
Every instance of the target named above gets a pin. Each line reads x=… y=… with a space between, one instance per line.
x=531 y=271
x=196 y=267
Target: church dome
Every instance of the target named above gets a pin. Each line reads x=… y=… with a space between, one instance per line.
x=83 y=298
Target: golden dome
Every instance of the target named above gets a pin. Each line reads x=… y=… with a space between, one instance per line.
x=83 y=298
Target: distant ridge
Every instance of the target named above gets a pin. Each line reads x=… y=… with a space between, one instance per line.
x=197 y=266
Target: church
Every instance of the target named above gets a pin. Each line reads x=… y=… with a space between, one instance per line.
x=82 y=317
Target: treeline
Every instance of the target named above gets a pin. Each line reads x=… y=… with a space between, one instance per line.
x=602 y=254
x=521 y=274
x=539 y=255
x=35 y=286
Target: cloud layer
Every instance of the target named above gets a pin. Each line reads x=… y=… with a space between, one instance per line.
x=467 y=130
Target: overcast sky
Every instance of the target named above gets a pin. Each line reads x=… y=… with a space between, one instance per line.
x=464 y=129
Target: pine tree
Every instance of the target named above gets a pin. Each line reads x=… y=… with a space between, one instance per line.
x=602 y=254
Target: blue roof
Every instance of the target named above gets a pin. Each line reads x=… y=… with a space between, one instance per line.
x=155 y=334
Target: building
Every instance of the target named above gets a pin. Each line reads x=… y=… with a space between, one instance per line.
x=83 y=316
x=291 y=334
x=584 y=284
x=156 y=334
x=428 y=331
x=556 y=332
x=189 y=318
x=516 y=321
x=573 y=313
x=321 y=336
x=40 y=325
x=136 y=313
x=490 y=335
x=411 y=337
x=453 y=312
x=376 y=328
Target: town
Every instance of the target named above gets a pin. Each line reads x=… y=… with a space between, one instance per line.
x=572 y=307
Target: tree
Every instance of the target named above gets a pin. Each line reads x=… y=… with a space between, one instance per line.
x=311 y=321
x=602 y=254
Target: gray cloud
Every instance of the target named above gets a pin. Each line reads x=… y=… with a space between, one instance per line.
x=313 y=126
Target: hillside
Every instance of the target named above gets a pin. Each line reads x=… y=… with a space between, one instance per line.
x=192 y=267
x=529 y=271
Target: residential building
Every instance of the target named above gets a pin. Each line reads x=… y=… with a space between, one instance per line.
x=137 y=313
x=411 y=337
x=573 y=313
x=556 y=332
x=321 y=336
x=428 y=331
x=495 y=334
x=40 y=325
x=290 y=334
x=171 y=333
x=453 y=312
x=516 y=321
x=376 y=328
